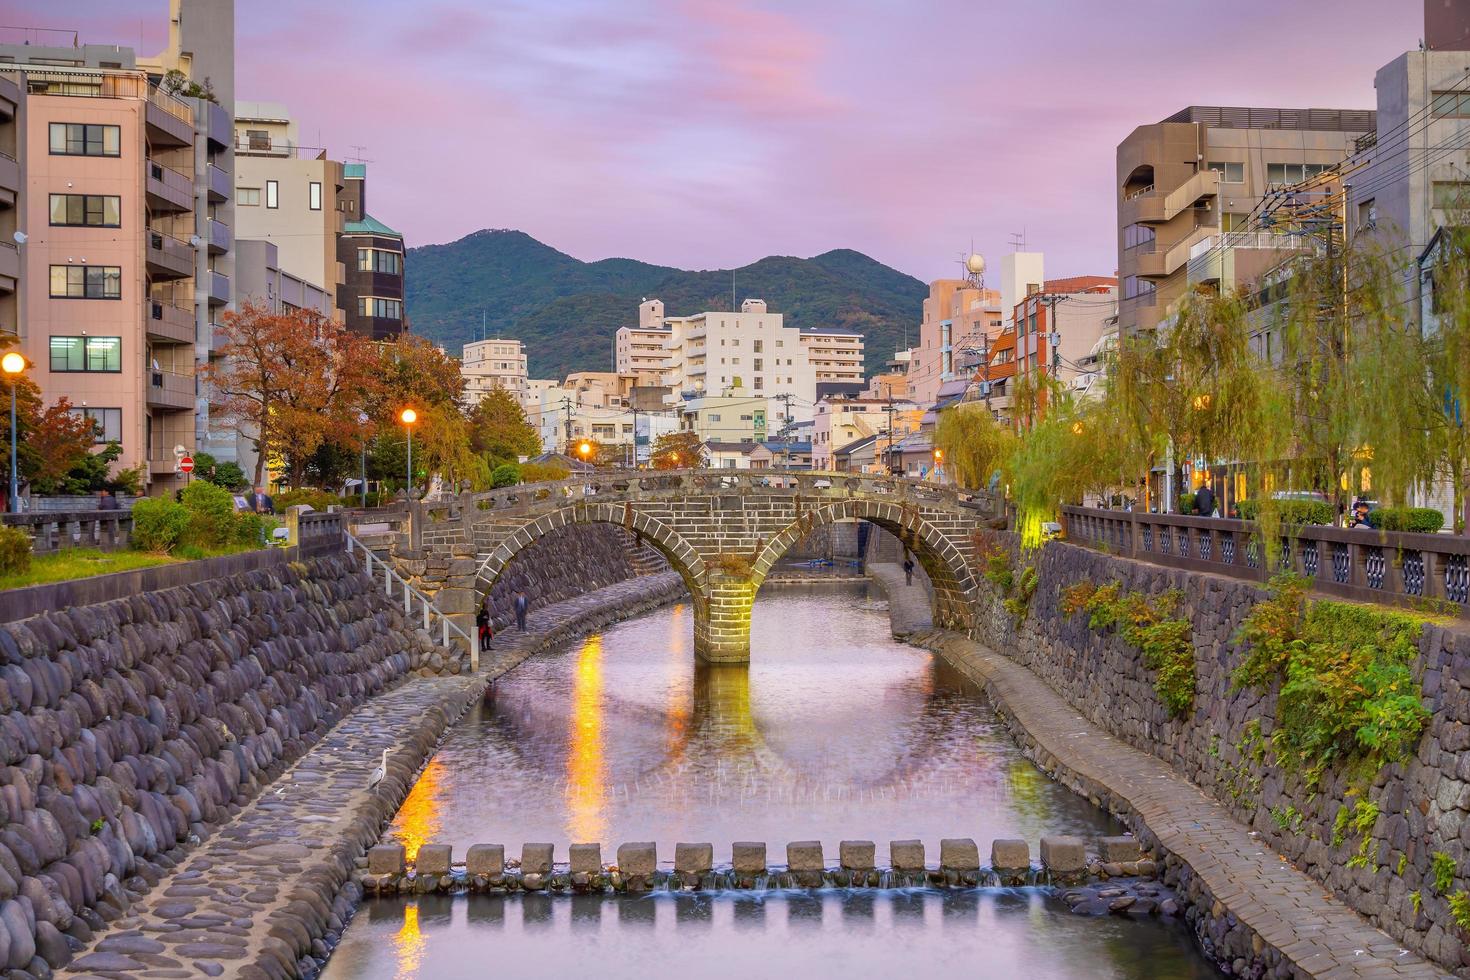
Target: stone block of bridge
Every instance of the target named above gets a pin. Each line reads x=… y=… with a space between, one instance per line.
x=485 y=859
x=857 y=855
x=749 y=857
x=694 y=859
x=386 y=859
x=585 y=858
x=959 y=854
x=805 y=855
x=638 y=858
x=724 y=636
x=1010 y=855
x=434 y=859
x=536 y=859
x=906 y=855
x=1063 y=855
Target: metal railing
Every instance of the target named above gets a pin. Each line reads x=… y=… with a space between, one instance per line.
x=1371 y=566
x=426 y=608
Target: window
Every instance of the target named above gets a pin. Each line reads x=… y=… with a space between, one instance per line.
x=98 y=210
x=86 y=354
x=314 y=195
x=1134 y=287
x=758 y=345
x=379 y=260
x=1230 y=173
x=714 y=417
x=1292 y=173
x=85 y=140
x=272 y=193
x=1136 y=235
x=107 y=423
x=1368 y=213
x=1450 y=194
x=1451 y=105
x=247 y=197
x=388 y=309
x=760 y=383
x=86 y=282
x=258 y=139
x=780 y=343
x=759 y=364
x=1233 y=221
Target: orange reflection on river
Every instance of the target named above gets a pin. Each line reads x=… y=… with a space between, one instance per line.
x=419 y=819
x=586 y=759
x=408 y=944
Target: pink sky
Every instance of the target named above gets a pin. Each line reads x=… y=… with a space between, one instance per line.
x=708 y=133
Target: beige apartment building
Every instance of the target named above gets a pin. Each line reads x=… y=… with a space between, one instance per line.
x=639 y=350
x=122 y=198
x=957 y=317
x=1187 y=188
x=494 y=363
x=835 y=356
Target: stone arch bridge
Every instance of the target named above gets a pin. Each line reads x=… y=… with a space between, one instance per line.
x=722 y=531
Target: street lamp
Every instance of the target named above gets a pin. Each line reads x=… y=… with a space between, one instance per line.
x=408 y=417
x=362 y=419
x=938 y=465
x=675 y=458
x=584 y=449
x=13 y=364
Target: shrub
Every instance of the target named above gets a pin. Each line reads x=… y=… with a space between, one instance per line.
x=1346 y=675
x=212 y=519
x=1186 y=503
x=1291 y=511
x=159 y=524
x=1420 y=520
x=230 y=476
x=505 y=475
x=543 y=473
x=310 y=496
x=1166 y=642
x=15 y=551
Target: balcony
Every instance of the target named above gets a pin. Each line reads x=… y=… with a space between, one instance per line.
x=1165 y=261
x=1240 y=258
x=219 y=288
x=167 y=323
x=168 y=190
x=9 y=267
x=9 y=99
x=1149 y=205
x=9 y=180
x=170 y=121
x=221 y=185
x=169 y=258
x=170 y=391
x=219 y=126
x=219 y=237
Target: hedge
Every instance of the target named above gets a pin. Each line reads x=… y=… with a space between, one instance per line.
x=1421 y=520
x=1291 y=511
x=15 y=551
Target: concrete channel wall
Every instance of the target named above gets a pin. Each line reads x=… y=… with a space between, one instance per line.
x=1423 y=806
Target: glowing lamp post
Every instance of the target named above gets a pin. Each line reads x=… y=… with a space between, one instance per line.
x=938 y=465
x=408 y=417
x=13 y=364
x=584 y=449
x=362 y=419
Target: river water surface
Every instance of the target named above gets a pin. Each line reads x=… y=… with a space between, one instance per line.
x=834 y=731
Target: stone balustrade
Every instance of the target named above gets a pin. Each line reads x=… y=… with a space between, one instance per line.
x=387 y=869
x=1367 y=566
x=51 y=531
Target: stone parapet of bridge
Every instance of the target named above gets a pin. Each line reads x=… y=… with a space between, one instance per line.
x=721 y=531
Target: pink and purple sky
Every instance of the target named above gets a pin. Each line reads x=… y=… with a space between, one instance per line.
x=708 y=133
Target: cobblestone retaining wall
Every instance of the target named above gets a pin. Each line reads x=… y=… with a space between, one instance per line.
x=130 y=727
x=1424 y=805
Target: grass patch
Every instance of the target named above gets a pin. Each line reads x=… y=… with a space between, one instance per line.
x=74 y=563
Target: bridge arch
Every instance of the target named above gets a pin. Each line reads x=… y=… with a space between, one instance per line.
x=680 y=555
x=941 y=554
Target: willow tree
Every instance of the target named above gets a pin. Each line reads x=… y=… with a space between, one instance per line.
x=976 y=447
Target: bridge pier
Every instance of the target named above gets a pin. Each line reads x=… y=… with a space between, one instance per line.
x=722 y=634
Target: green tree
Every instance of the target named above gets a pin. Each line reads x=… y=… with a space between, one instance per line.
x=498 y=428
x=975 y=445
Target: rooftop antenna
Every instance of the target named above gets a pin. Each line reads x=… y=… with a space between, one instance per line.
x=1018 y=240
x=357 y=156
x=732 y=290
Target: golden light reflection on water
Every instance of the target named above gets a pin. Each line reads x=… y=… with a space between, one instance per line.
x=676 y=717
x=586 y=756
x=408 y=944
x=421 y=818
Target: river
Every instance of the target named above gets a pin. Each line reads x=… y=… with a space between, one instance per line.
x=834 y=731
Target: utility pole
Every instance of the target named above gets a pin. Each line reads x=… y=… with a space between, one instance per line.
x=888 y=433
x=566 y=405
x=1050 y=301
x=635 y=437
x=786 y=427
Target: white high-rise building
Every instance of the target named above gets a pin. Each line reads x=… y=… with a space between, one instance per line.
x=494 y=363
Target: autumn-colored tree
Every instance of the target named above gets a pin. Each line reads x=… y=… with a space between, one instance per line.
x=291 y=380
x=498 y=428
x=675 y=451
x=57 y=440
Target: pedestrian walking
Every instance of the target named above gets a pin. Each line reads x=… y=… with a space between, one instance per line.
x=1204 y=501
x=106 y=501
x=522 y=604
x=482 y=620
x=908 y=570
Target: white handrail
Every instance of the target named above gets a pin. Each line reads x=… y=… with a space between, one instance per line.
x=446 y=625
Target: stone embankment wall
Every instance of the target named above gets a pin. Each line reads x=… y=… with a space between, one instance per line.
x=132 y=726
x=1424 y=805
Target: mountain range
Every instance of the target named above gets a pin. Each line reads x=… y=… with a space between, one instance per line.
x=504 y=283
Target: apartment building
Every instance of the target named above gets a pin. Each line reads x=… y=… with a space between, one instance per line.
x=1188 y=181
x=289 y=195
x=752 y=350
x=122 y=198
x=1055 y=328
x=1408 y=178
x=371 y=296
x=731 y=417
x=639 y=350
x=836 y=359
x=957 y=317
x=494 y=363
x=840 y=422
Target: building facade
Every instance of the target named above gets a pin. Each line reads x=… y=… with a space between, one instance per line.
x=1189 y=185
x=835 y=356
x=372 y=255
x=726 y=418
x=121 y=216
x=1055 y=328
x=957 y=317
x=494 y=363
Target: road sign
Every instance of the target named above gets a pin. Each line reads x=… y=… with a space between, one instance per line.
x=186 y=464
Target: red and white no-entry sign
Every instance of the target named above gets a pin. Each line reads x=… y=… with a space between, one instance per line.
x=186 y=464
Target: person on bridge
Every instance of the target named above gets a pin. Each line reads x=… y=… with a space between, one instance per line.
x=522 y=604
x=908 y=569
x=1204 y=501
